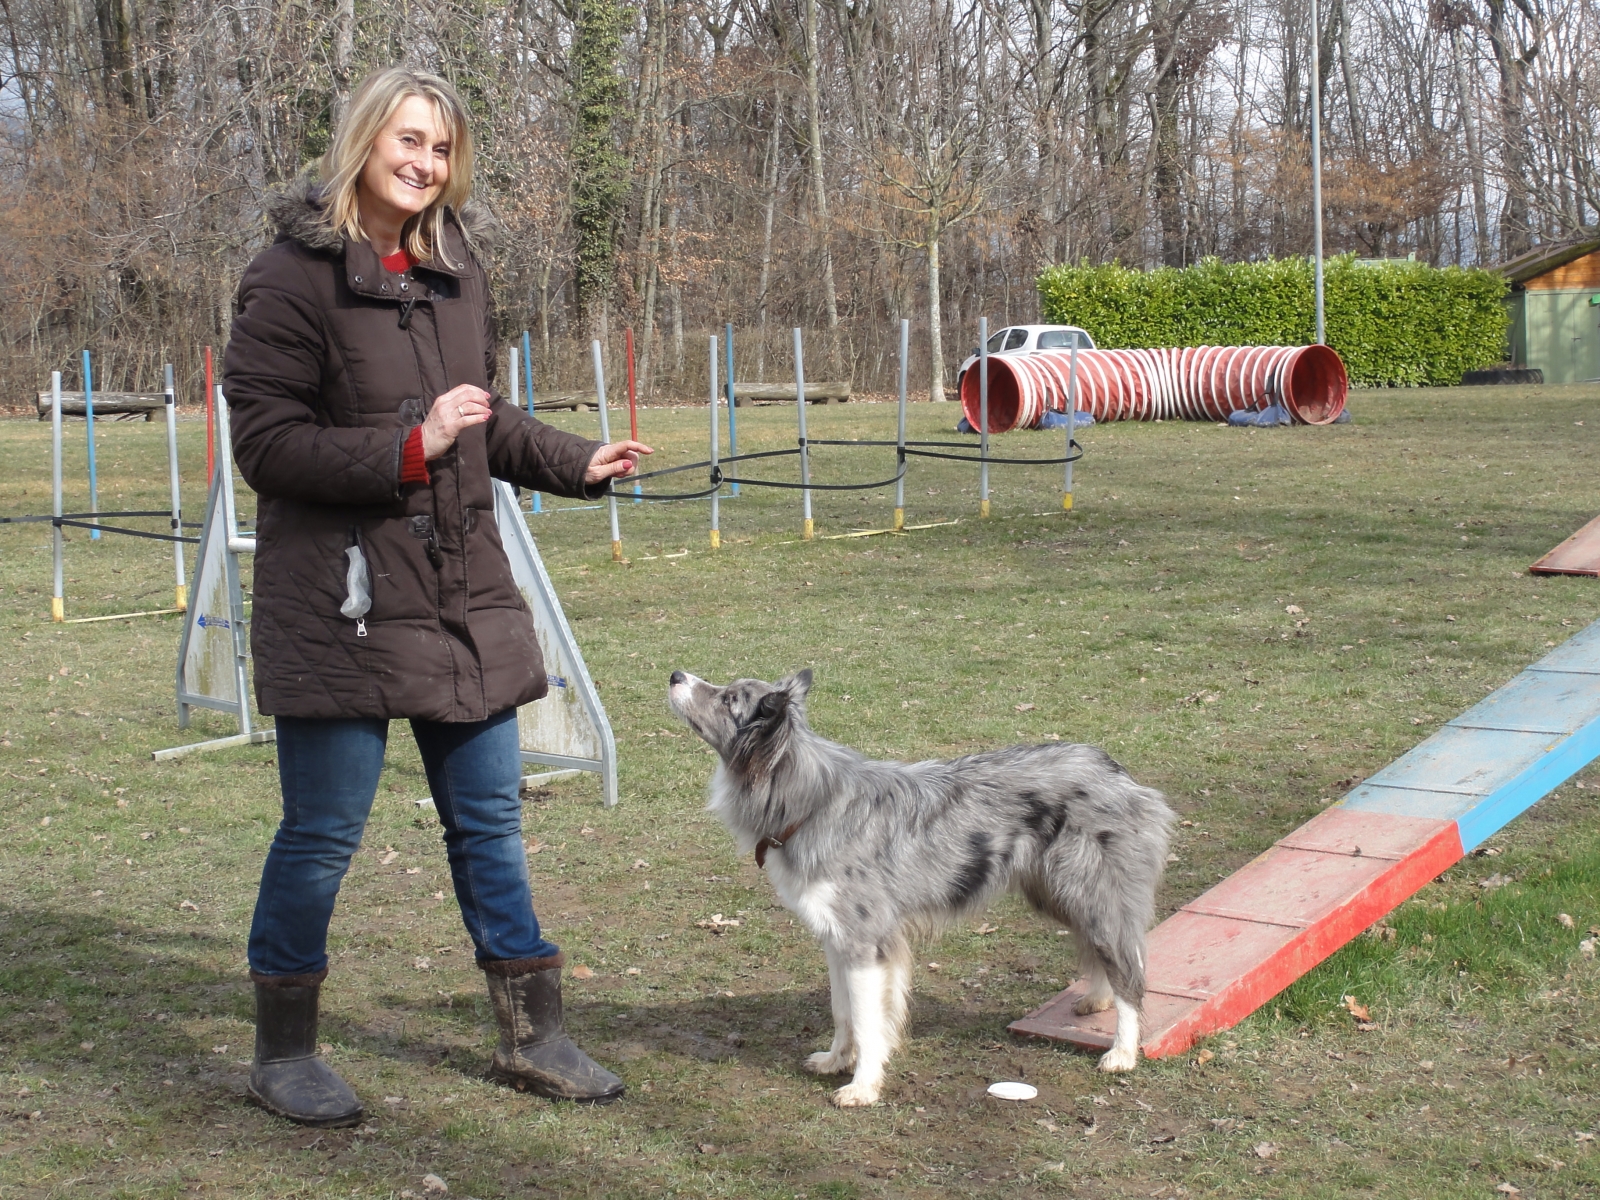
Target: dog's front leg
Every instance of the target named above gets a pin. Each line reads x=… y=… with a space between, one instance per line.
x=873 y=1030
x=840 y=1056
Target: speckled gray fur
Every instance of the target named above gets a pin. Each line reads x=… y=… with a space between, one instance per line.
x=883 y=851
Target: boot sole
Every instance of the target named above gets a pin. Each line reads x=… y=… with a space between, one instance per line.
x=521 y=1084
x=338 y=1122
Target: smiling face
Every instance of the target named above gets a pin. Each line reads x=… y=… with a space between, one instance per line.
x=406 y=169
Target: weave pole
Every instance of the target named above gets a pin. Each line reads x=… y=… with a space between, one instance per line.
x=88 y=414
x=900 y=440
x=1072 y=422
x=983 y=416
x=716 y=532
x=733 y=421
x=605 y=436
x=808 y=530
x=58 y=602
x=180 y=592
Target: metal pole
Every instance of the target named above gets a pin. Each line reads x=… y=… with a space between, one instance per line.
x=808 y=529
x=1072 y=420
x=181 y=589
x=58 y=603
x=1316 y=166
x=716 y=532
x=513 y=376
x=900 y=437
x=733 y=424
x=224 y=459
x=88 y=415
x=983 y=416
x=605 y=436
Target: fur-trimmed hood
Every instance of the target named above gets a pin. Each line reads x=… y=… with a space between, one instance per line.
x=295 y=212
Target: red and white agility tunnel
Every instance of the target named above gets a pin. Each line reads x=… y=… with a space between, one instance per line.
x=1195 y=383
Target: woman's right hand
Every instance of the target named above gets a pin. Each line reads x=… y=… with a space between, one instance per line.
x=458 y=409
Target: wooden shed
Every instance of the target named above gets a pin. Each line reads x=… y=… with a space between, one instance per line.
x=1555 y=310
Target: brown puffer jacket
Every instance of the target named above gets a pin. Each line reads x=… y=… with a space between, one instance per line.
x=331 y=362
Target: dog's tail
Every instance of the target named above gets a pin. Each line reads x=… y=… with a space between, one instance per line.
x=1104 y=882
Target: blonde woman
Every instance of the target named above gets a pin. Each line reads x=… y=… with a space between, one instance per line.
x=359 y=372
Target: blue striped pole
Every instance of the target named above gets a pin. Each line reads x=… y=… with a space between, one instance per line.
x=88 y=413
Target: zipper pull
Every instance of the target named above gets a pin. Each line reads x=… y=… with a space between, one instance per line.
x=361 y=627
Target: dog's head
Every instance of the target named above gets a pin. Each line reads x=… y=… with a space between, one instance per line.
x=744 y=721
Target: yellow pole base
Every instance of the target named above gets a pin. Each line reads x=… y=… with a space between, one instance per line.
x=181 y=597
x=716 y=539
x=810 y=530
x=899 y=520
x=58 y=609
x=1066 y=501
x=616 y=551
x=983 y=508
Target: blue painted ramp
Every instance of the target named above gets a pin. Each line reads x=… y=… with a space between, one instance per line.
x=1224 y=954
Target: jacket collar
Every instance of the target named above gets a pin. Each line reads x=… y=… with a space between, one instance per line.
x=296 y=212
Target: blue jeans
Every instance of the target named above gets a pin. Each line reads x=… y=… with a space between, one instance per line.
x=329 y=772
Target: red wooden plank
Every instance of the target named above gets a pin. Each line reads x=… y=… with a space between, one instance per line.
x=1223 y=955
x=1578 y=555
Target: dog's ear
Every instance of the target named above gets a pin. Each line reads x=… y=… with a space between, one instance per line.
x=798 y=684
x=773 y=705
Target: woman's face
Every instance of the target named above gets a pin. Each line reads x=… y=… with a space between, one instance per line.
x=408 y=166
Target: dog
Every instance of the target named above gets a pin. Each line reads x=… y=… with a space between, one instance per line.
x=871 y=854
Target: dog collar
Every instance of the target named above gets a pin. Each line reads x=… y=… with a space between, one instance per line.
x=769 y=843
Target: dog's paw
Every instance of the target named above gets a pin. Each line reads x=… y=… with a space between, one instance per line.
x=1092 y=1004
x=1115 y=1059
x=856 y=1095
x=826 y=1062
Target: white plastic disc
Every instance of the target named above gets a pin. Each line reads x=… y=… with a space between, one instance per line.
x=1013 y=1091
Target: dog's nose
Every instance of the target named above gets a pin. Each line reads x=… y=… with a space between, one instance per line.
x=677 y=678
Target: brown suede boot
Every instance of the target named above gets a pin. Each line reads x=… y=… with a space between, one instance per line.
x=288 y=1078
x=535 y=1054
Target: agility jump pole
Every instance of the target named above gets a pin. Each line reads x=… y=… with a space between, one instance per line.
x=716 y=533
x=180 y=591
x=88 y=413
x=58 y=601
x=983 y=416
x=808 y=529
x=900 y=436
x=605 y=436
x=1072 y=422
x=733 y=421
x=1229 y=951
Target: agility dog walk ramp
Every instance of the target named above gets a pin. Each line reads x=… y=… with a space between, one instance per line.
x=1221 y=956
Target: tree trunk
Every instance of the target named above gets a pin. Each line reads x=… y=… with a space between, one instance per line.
x=1475 y=166
x=819 y=186
x=935 y=326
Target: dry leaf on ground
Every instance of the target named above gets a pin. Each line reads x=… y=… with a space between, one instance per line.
x=1266 y=1149
x=582 y=972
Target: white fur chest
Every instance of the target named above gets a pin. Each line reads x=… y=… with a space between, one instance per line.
x=811 y=900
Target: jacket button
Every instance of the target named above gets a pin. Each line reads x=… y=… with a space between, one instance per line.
x=386 y=287
x=358 y=279
x=405 y=287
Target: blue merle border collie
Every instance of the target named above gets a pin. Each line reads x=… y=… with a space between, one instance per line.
x=871 y=854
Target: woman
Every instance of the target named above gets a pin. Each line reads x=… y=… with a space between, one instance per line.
x=358 y=373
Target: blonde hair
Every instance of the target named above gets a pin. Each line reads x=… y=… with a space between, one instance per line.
x=374 y=103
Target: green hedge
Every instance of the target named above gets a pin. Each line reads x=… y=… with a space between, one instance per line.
x=1400 y=324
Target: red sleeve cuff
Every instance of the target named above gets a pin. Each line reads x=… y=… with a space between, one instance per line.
x=413 y=464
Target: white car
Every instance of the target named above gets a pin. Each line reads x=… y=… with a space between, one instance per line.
x=1022 y=339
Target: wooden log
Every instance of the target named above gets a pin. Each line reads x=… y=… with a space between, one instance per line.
x=121 y=405
x=567 y=400
x=826 y=392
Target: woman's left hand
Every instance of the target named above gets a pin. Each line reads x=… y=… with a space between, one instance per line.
x=614 y=460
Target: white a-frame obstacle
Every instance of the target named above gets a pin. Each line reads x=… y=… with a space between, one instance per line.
x=568 y=729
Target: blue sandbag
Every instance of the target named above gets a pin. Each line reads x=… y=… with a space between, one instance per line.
x=1273 y=414
x=1058 y=420
x=964 y=426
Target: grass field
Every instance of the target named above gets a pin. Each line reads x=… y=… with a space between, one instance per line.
x=1152 y=620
